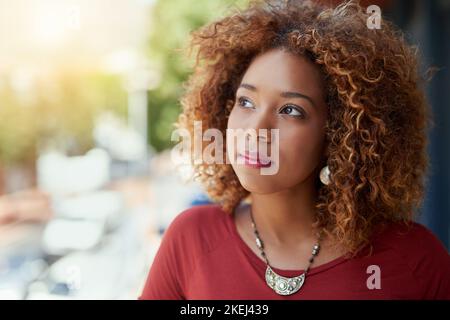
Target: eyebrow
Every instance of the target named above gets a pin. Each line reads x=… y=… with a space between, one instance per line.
x=286 y=94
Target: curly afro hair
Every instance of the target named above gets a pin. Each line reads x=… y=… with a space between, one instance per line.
x=378 y=116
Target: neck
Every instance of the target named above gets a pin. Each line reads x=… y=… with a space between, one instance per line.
x=285 y=217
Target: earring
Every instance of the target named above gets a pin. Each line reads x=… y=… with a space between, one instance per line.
x=325 y=175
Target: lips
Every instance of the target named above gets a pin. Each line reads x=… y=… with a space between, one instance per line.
x=255 y=161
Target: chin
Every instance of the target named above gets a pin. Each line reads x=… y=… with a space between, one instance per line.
x=258 y=184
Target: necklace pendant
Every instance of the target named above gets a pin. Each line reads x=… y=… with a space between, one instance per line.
x=282 y=285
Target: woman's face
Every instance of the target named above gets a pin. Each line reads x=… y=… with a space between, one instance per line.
x=282 y=91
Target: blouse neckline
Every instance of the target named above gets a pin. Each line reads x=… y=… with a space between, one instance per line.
x=261 y=264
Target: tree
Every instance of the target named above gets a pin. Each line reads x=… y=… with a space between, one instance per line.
x=172 y=22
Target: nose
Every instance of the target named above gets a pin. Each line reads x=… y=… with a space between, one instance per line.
x=262 y=119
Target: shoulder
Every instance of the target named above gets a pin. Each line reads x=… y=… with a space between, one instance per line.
x=201 y=226
x=410 y=237
x=425 y=256
x=199 y=216
x=201 y=213
x=190 y=235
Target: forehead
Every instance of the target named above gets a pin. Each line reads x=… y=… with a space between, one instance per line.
x=280 y=70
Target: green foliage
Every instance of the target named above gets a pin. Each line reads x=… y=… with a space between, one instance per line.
x=17 y=130
x=172 y=22
x=58 y=111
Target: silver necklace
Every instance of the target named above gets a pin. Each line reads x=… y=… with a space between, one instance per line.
x=284 y=285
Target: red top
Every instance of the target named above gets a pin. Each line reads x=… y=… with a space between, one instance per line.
x=202 y=256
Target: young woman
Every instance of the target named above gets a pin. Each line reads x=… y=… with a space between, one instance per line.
x=336 y=220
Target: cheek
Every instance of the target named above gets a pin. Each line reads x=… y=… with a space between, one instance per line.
x=300 y=149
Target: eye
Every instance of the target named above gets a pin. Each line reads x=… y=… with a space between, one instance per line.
x=242 y=102
x=293 y=111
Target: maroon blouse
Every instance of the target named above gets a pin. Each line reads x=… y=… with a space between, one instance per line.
x=202 y=256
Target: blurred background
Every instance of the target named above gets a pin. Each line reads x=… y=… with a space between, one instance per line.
x=88 y=95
